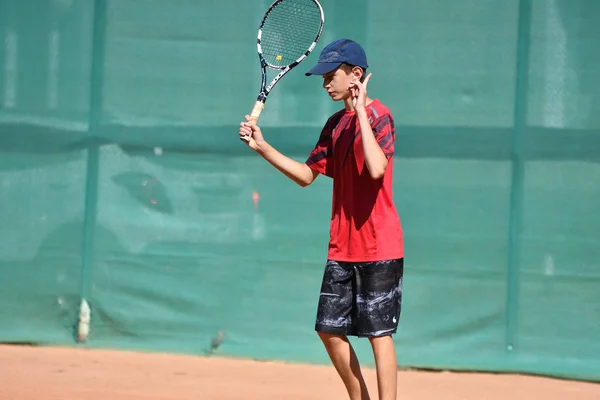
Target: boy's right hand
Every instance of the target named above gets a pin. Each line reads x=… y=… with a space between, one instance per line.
x=251 y=134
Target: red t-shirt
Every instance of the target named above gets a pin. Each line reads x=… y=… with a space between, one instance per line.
x=365 y=225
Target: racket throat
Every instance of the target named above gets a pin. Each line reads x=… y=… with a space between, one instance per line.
x=262 y=97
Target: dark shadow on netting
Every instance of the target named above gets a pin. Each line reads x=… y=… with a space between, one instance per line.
x=196 y=140
x=445 y=142
x=146 y=189
x=25 y=146
x=448 y=142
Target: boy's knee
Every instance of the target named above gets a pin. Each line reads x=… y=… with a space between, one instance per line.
x=382 y=343
x=383 y=338
x=331 y=337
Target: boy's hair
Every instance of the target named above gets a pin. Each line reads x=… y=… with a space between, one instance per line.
x=349 y=67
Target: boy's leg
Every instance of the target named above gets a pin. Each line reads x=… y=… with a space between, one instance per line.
x=334 y=322
x=346 y=363
x=386 y=365
x=378 y=302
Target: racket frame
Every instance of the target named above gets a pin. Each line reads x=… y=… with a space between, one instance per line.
x=264 y=88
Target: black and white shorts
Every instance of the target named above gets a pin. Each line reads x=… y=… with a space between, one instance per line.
x=360 y=298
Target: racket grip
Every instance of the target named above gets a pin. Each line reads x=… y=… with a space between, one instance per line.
x=255 y=114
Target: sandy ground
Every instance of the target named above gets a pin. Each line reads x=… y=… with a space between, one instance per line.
x=43 y=373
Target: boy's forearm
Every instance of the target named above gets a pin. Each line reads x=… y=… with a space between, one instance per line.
x=300 y=173
x=374 y=156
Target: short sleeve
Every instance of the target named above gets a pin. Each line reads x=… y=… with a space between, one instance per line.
x=321 y=157
x=384 y=132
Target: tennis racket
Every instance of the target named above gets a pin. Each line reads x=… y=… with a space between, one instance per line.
x=287 y=34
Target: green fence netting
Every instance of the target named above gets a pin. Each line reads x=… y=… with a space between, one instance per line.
x=123 y=182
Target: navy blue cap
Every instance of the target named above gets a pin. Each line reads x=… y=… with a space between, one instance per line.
x=338 y=52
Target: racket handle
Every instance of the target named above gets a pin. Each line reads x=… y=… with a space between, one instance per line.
x=256 y=110
x=255 y=114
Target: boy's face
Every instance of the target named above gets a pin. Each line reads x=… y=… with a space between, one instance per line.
x=337 y=82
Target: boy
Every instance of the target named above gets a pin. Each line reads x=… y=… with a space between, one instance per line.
x=361 y=291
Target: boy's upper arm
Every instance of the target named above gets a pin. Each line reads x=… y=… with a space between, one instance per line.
x=384 y=132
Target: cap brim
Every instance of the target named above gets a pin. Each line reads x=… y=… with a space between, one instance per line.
x=323 y=68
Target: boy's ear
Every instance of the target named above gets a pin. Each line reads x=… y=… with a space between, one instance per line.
x=357 y=72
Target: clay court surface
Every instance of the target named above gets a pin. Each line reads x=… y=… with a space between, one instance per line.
x=40 y=373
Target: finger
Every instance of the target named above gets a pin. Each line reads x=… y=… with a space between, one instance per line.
x=367 y=79
x=357 y=86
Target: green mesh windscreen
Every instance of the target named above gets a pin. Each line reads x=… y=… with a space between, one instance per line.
x=123 y=180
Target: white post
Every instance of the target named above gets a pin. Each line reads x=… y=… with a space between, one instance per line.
x=10 y=69
x=53 y=69
x=555 y=63
x=85 y=316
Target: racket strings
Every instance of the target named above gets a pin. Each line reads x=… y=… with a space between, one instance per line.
x=289 y=30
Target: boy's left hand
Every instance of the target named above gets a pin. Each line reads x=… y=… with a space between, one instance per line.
x=358 y=91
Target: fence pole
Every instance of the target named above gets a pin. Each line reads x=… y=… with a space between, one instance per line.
x=91 y=189
x=516 y=192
